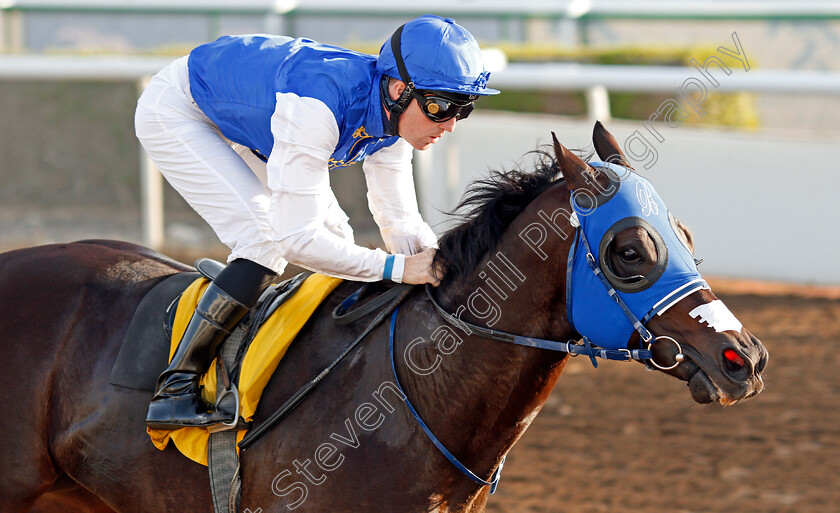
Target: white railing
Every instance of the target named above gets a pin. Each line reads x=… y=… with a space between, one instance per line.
x=554 y=77
x=50 y=67
x=568 y=8
x=575 y=19
x=596 y=80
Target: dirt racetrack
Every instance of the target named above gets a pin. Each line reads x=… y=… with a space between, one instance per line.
x=619 y=439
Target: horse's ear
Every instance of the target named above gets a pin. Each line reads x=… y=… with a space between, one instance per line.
x=607 y=147
x=572 y=167
x=684 y=233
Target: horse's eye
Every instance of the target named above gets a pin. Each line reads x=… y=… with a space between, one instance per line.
x=629 y=255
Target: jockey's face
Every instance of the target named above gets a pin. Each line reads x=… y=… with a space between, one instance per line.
x=417 y=129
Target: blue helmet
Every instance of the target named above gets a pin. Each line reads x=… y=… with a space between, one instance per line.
x=438 y=54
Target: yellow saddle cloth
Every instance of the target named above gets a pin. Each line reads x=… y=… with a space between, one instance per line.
x=263 y=355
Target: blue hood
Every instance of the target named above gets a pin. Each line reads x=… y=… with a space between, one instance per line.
x=630 y=201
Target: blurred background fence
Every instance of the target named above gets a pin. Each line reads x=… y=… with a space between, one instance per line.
x=751 y=174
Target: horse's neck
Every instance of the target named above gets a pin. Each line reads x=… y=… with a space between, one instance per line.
x=523 y=282
x=484 y=394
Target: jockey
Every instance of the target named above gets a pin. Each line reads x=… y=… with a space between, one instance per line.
x=247 y=129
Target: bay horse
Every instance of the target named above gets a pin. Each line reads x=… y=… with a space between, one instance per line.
x=70 y=441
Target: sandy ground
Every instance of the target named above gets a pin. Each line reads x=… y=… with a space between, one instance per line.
x=620 y=439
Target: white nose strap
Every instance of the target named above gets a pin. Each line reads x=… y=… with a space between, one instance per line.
x=717 y=316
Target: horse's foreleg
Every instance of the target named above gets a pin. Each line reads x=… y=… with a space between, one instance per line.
x=68 y=497
x=26 y=473
x=26 y=467
x=19 y=490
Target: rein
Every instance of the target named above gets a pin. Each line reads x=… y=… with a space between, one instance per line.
x=573 y=348
x=396 y=295
x=494 y=479
x=343 y=315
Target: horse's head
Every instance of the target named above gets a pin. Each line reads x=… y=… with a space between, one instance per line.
x=634 y=283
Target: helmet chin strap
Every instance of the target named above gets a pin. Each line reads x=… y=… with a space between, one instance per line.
x=398 y=106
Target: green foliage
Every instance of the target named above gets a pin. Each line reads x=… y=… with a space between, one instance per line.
x=532 y=52
x=730 y=109
x=541 y=102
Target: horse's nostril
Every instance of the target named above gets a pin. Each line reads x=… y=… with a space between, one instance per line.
x=734 y=358
x=735 y=366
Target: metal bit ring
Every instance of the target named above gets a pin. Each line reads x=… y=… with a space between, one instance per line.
x=679 y=357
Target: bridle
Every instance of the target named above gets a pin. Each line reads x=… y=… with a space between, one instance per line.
x=584 y=347
x=609 y=318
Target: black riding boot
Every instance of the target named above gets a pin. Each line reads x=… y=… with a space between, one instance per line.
x=176 y=402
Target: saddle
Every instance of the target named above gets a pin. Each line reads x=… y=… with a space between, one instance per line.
x=258 y=342
x=145 y=349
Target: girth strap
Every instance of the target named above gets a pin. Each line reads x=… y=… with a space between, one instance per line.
x=222 y=459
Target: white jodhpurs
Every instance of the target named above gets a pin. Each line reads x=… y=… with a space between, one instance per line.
x=222 y=181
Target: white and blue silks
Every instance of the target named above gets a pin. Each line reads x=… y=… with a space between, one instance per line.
x=308 y=108
x=630 y=200
x=235 y=80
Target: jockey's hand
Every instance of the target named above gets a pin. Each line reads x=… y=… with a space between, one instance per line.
x=418 y=269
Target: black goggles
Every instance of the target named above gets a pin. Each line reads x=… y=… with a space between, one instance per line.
x=440 y=108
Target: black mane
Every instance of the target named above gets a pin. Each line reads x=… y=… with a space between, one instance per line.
x=487 y=209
